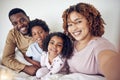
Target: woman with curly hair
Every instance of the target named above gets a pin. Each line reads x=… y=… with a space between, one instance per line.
x=93 y=54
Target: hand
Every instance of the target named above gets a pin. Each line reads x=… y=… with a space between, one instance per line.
x=36 y=63
x=31 y=70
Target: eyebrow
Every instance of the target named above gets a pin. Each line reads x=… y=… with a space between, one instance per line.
x=77 y=19
x=57 y=42
x=69 y=21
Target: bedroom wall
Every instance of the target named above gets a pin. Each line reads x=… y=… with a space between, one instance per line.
x=51 y=11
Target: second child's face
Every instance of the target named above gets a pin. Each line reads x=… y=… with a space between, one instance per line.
x=55 y=45
x=38 y=34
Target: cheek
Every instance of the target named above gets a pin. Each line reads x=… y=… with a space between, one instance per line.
x=34 y=37
x=43 y=36
x=86 y=29
x=60 y=50
x=16 y=27
x=69 y=30
x=49 y=47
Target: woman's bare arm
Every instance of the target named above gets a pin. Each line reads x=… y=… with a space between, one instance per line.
x=110 y=64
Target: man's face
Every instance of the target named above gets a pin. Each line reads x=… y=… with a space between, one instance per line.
x=20 y=22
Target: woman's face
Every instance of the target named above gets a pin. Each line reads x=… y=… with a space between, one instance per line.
x=38 y=34
x=55 y=45
x=78 y=26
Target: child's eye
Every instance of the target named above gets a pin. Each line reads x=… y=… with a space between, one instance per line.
x=60 y=45
x=51 y=42
x=40 y=32
x=33 y=34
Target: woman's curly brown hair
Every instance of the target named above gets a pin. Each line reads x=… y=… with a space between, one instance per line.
x=92 y=15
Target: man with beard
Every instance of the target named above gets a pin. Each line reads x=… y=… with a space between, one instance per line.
x=18 y=37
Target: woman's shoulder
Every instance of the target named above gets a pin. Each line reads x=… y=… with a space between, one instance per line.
x=103 y=43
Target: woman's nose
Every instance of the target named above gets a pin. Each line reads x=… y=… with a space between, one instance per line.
x=74 y=27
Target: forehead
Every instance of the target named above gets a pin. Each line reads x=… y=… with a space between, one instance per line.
x=37 y=28
x=57 y=39
x=17 y=16
x=74 y=16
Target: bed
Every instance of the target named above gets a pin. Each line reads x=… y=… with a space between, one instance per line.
x=8 y=74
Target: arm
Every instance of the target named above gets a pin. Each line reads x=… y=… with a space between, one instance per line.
x=109 y=64
x=35 y=63
x=8 y=58
x=29 y=55
x=56 y=66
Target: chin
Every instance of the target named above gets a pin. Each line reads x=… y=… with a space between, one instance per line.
x=78 y=39
x=24 y=33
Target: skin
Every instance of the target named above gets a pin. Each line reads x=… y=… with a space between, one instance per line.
x=78 y=27
x=20 y=23
x=54 y=47
x=38 y=35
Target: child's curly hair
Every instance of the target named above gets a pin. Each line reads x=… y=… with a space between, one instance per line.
x=67 y=44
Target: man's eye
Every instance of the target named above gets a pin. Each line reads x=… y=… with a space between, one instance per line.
x=22 y=20
x=14 y=24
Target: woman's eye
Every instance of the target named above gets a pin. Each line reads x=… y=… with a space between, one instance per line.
x=78 y=22
x=69 y=25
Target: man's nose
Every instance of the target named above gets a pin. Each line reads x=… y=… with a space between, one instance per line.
x=20 y=24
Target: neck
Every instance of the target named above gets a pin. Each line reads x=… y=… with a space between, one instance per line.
x=82 y=43
x=85 y=41
x=51 y=57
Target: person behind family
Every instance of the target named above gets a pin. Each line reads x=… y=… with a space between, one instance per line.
x=38 y=30
x=58 y=47
x=18 y=37
x=93 y=54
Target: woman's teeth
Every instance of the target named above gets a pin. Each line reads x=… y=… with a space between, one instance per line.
x=77 y=33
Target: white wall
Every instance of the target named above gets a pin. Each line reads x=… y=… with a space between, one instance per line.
x=51 y=11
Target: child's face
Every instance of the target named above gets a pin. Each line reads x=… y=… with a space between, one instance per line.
x=55 y=45
x=38 y=34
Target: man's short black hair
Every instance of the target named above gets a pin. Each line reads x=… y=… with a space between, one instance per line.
x=15 y=11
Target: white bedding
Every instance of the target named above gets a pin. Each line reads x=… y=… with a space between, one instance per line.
x=23 y=76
